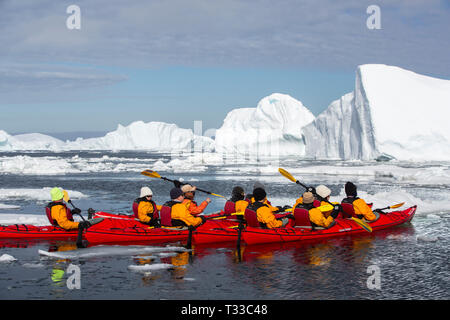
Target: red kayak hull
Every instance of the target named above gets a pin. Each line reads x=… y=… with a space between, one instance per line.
x=121 y=228
x=23 y=231
x=343 y=227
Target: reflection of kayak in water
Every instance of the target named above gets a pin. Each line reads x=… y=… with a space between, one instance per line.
x=253 y=235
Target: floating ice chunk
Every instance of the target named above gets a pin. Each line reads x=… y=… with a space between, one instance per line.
x=7 y=258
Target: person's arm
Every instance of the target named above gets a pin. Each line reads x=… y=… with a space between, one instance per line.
x=266 y=216
x=361 y=207
x=143 y=210
x=317 y=217
x=195 y=209
x=181 y=212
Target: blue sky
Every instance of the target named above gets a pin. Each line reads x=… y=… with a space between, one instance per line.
x=183 y=60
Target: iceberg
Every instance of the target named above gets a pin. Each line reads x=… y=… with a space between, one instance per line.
x=392 y=113
x=273 y=128
x=29 y=141
x=152 y=136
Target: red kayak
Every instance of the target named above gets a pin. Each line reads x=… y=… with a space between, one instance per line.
x=26 y=231
x=126 y=228
x=254 y=235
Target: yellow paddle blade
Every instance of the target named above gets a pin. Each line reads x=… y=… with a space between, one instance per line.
x=397 y=205
x=66 y=196
x=217 y=195
x=362 y=224
x=151 y=174
x=325 y=208
x=238 y=213
x=287 y=174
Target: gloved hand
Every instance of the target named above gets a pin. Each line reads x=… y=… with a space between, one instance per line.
x=290 y=216
x=177 y=183
x=84 y=225
x=337 y=208
x=379 y=211
x=203 y=219
x=75 y=211
x=280 y=209
x=311 y=189
x=286 y=207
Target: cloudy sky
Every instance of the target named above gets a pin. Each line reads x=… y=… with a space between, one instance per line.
x=183 y=60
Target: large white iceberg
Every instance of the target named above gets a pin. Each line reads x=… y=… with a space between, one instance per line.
x=29 y=141
x=392 y=112
x=273 y=128
x=151 y=136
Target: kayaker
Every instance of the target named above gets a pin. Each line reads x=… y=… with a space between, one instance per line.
x=237 y=201
x=189 y=194
x=251 y=199
x=179 y=212
x=317 y=217
x=263 y=211
x=60 y=215
x=147 y=208
x=362 y=210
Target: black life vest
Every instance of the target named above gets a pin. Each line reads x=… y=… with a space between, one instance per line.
x=48 y=212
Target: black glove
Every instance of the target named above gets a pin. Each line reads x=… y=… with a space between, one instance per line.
x=84 y=225
x=311 y=189
x=280 y=209
x=177 y=183
x=75 y=211
x=290 y=216
x=286 y=207
x=337 y=208
x=203 y=219
x=379 y=211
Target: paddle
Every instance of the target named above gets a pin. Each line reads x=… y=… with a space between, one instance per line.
x=289 y=176
x=154 y=174
x=390 y=207
x=67 y=199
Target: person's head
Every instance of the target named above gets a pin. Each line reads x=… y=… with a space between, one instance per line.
x=56 y=194
x=308 y=197
x=237 y=193
x=176 y=194
x=188 y=191
x=259 y=194
x=323 y=192
x=350 y=189
x=146 y=192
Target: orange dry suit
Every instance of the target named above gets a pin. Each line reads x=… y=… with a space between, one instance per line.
x=317 y=217
x=61 y=216
x=193 y=208
x=265 y=215
x=180 y=214
x=148 y=211
x=362 y=210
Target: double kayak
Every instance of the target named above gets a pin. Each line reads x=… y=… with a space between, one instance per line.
x=255 y=235
x=126 y=228
x=251 y=235
x=27 y=231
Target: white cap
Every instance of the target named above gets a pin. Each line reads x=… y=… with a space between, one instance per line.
x=323 y=191
x=146 y=191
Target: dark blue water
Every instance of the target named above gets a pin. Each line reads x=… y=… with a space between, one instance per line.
x=411 y=260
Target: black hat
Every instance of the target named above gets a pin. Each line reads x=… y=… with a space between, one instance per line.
x=350 y=189
x=175 y=193
x=259 y=194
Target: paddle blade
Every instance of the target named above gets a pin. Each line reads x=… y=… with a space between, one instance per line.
x=151 y=174
x=66 y=196
x=396 y=205
x=287 y=175
x=362 y=224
